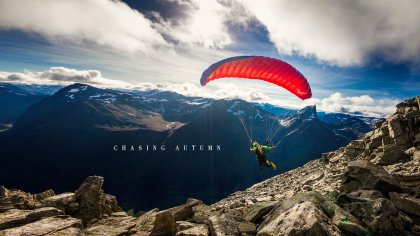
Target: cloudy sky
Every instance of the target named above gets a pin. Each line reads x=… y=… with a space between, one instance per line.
x=358 y=56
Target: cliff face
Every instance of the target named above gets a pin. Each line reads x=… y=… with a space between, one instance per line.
x=369 y=187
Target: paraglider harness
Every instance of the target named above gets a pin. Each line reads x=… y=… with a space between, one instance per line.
x=259 y=151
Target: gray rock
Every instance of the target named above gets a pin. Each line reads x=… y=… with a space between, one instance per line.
x=41 y=196
x=375 y=141
x=247 y=227
x=156 y=223
x=416 y=155
x=201 y=213
x=16 y=199
x=358 y=144
x=45 y=226
x=386 y=140
x=114 y=225
x=368 y=134
x=302 y=219
x=346 y=221
x=223 y=224
x=362 y=174
x=410 y=151
x=403 y=139
x=164 y=224
x=109 y=204
x=416 y=139
x=92 y=202
x=406 y=203
x=146 y=222
x=89 y=196
x=184 y=211
x=395 y=128
x=197 y=230
x=183 y=225
x=255 y=212
x=378 y=213
x=70 y=231
x=359 y=196
x=60 y=201
x=15 y=217
x=389 y=157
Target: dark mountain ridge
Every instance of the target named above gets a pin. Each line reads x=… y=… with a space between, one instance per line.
x=72 y=134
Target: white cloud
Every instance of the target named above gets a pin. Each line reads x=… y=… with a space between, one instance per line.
x=103 y=22
x=344 y=33
x=204 y=24
x=62 y=76
x=112 y=23
x=337 y=32
x=363 y=104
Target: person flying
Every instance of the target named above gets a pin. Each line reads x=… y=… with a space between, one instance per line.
x=259 y=150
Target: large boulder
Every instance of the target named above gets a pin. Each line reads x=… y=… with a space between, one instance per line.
x=302 y=219
x=406 y=203
x=374 y=141
x=377 y=212
x=116 y=224
x=255 y=212
x=156 y=222
x=390 y=154
x=343 y=220
x=395 y=127
x=10 y=199
x=15 y=217
x=201 y=213
x=359 y=196
x=223 y=224
x=184 y=211
x=60 y=201
x=247 y=227
x=54 y=225
x=362 y=174
x=92 y=202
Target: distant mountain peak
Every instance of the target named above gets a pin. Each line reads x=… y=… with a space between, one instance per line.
x=76 y=86
x=308 y=112
x=11 y=88
x=79 y=91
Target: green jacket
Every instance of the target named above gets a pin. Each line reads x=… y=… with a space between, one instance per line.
x=265 y=148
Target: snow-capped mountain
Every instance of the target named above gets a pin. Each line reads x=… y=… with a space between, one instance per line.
x=81 y=131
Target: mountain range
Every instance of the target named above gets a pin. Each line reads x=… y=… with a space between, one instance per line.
x=82 y=130
x=368 y=187
x=14 y=101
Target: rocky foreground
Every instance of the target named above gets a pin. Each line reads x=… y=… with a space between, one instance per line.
x=369 y=187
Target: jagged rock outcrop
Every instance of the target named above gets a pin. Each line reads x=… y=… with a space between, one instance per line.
x=369 y=187
x=91 y=202
x=45 y=213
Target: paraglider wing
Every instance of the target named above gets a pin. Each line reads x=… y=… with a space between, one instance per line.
x=262 y=68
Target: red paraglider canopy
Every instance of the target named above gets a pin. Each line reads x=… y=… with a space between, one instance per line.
x=262 y=68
